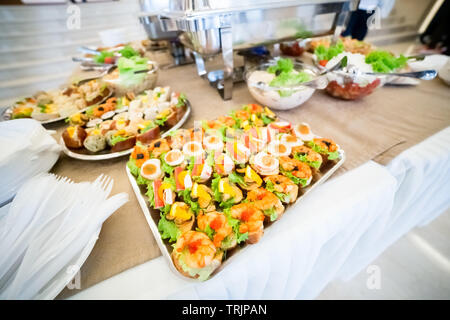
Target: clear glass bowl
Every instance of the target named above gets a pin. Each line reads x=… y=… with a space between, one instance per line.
x=279 y=98
x=292 y=48
x=144 y=81
x=348 y=86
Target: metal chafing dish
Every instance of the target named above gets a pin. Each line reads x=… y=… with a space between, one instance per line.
x=164 y=40
x=211 y=27
x=150 y=20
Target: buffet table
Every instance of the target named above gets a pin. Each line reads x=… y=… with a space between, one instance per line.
x=392 y=181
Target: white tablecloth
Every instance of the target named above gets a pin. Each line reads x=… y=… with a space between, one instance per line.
x=336 y=232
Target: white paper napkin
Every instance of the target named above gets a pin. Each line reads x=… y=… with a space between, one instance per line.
x=50 y=223
x=27 y=149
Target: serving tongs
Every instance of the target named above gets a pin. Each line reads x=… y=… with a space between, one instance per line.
x=87 y=50
x=88 y=63
x=321 y=81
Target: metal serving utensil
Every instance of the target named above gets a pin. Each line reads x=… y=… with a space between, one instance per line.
x=82 y=59
x=318 y=83
x=424 y=75
x=103 y=73
x=340 y=65
x=87 y=50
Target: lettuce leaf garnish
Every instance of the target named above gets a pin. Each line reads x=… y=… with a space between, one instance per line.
x=237 y=179
x=266 y=120
x=150 y=194
x=294 y=179
x=186 y=195
x=331 y=155
x=134 y=169
x=215 y=188
x=282 y=196
x=304 y=158
x=117 y=139
x=234 y=224
x=271 y=213
x=181 y=100
x=168 y=229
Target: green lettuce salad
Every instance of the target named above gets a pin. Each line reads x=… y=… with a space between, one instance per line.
x=383 y=61
x=126 y=52
x=285 y=75
x=127 y=68
x=324 y=53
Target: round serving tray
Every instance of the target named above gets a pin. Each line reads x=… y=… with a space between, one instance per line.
x=83 y=154
x=6 y=115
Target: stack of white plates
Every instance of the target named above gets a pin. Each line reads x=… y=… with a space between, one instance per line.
x=26 y=150
x=48 y=231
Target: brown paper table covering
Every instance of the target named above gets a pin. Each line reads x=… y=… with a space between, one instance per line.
x=378 y=127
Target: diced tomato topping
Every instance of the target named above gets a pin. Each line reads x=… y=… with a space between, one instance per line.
x=246 y=215
x=351 y=91
x=193 y=246
x=216 y=223
x=323 y=63
x=109 y=60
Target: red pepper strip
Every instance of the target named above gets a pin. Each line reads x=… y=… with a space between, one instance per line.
x=159 y=203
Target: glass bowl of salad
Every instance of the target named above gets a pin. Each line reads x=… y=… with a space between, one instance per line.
x=348 y=85
x=278 y=83
x=135 y=74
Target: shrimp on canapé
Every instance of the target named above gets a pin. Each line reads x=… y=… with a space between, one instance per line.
x=218 y=222
x=283 y=185
x=307 y=155
x=200 y=249
x=195 y=255
x=267 y=202
x=326 y=144
x=251 y=219
x=297 y=169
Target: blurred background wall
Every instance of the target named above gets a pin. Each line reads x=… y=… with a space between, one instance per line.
x=36 y=46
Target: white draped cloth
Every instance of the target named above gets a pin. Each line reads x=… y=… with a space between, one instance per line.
x=333 y=234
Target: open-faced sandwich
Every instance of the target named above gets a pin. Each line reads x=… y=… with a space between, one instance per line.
x=219 y=184
x=55 y=104
x=119 y=123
